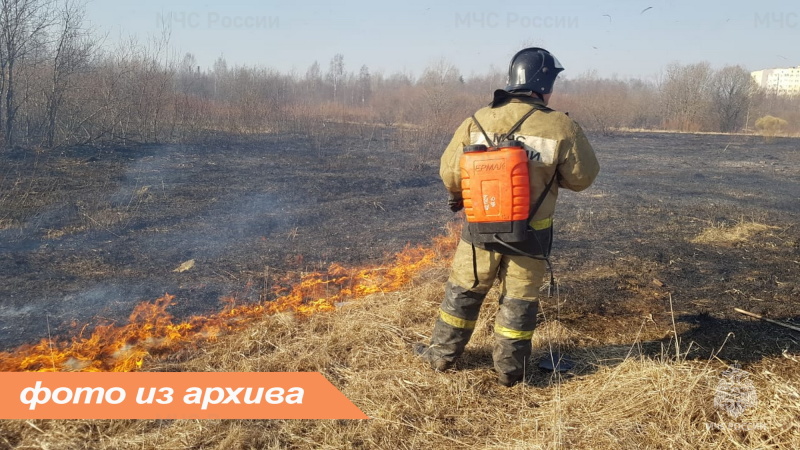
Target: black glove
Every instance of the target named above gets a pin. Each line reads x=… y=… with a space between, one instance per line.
x=455 y=202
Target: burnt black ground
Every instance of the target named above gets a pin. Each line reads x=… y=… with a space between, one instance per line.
x=87 y=233
x=633 y=230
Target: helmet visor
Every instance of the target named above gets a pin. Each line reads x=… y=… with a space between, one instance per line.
x=557 y=63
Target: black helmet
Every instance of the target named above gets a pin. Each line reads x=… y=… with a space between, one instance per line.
x=533 y=69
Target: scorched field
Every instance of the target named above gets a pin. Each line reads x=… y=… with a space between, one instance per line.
x=650 y=263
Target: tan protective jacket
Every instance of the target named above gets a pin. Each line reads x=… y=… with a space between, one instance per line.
x=554 y=142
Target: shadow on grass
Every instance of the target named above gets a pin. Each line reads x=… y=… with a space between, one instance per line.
x=729 y=341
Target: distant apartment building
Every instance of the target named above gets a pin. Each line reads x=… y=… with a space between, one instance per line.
x=779 y=81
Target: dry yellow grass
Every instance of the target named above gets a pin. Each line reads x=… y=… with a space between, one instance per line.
x=730 y=234
x=618 y=399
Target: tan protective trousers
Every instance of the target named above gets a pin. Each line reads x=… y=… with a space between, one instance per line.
x=520 y=279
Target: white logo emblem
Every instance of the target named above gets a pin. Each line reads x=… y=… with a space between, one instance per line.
x=735 y=392
x=489 y=202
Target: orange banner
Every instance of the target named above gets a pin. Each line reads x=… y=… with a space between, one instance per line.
x=172 y=395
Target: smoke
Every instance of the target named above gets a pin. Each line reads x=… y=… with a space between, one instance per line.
x=222 y=218
x=154 y=169
x=55 y=316
x=234 y=221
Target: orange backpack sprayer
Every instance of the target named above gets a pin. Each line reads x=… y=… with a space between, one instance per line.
x=496 y=191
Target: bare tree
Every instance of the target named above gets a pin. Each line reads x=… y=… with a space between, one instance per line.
x=23 y=24
x=336 y=72
x=684 y=93
x=732 y=88
x=364 y=85
x=313 y=75
x=220 y=72
x=313 y=84
x=72 y=51
x=440 y=82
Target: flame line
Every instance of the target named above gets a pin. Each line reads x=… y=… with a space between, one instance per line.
x=151 y=331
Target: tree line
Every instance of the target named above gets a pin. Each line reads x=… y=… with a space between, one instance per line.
x=59 y=86
x=689 y=98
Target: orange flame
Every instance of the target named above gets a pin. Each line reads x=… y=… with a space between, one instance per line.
x=152 y=332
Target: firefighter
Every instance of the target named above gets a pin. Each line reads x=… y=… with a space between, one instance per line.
x=560 y=156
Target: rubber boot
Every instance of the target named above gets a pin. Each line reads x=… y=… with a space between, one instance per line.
x=514 y=325
x=453 y=329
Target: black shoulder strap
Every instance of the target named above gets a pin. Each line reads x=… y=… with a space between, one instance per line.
x=519 y=123
x=486 y=136
x=540 y=200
